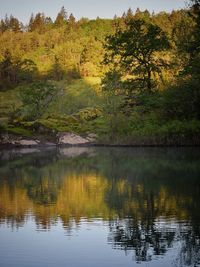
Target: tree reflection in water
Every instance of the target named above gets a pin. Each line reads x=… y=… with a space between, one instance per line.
x=150 y=198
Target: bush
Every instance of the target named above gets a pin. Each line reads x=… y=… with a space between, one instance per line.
x=182 y=101
x=36 y=98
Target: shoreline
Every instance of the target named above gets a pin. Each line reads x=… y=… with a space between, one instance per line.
x=41 y=146
x=69 y=139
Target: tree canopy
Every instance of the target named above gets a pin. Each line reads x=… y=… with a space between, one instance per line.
x=135 y=51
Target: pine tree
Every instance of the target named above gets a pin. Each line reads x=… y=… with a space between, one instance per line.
x=14 y=24
x=129 y=15
x=3 y=27
x=30 y=25
x=71 y=21
x=7 y=22
x=61 y=18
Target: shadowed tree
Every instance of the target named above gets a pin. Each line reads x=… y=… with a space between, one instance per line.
x=36 y=98
x=193 y=66
x=2 y=26
x=135 y=52
x=6 y=67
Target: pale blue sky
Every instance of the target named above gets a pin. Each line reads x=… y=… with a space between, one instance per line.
x=83 y=8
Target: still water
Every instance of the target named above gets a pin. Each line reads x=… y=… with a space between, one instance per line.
x=100 y=207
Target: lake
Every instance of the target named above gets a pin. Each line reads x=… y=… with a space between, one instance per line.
x=100 y=207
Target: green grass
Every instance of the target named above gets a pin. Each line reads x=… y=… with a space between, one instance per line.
x=18 y=131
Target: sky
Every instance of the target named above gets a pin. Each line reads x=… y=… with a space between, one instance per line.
x=22 y=9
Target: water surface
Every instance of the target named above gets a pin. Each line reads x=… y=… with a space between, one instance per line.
x=100 y=207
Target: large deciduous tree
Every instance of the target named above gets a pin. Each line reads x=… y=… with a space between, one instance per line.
x=134 y=51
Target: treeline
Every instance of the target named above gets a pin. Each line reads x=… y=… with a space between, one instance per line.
x=60 y=49
x=69 y=48
x=38 y=22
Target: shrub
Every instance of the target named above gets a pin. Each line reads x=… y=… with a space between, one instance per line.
x=36 y=98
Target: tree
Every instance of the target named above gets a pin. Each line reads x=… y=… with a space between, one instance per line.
x=7 y=72
x=13 y=71
x=91 y=57
x=135 y=52
x=129 y=14
x=30 y=24
x=48 y=21
x=182 y=32
x=26 y=70
x=36 y=98
x=3 y=27
x=61 y=18
x=37 y=23
x=57 y=71
x=71 y=20
x=14 y=24
x=193 y=66
x=11 y=24
x=7 y=22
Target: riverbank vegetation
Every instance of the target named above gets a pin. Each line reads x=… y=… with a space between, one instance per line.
x=132 y=79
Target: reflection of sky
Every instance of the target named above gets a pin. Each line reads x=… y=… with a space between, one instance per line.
x=86 y=246
x=83 y=8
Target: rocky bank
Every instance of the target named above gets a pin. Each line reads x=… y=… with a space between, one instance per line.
x=65 y=138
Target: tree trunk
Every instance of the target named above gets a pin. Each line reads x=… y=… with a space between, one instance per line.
x=149 y=85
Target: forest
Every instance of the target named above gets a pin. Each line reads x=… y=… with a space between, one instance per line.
x=130 y=80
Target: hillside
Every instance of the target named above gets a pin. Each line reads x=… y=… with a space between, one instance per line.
x=132 y=80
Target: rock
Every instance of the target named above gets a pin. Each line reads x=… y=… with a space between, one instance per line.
x=27 y=142
x=66 y=138
x=10 y=139
x=91 y=137
x=72 y=139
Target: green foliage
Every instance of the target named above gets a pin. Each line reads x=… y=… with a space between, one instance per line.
x=81 y=122
x=112 y=82
x=134 y=52
x=79 y=94
x=36 y=98
x=17 y=131
x=182 y=101
x=91 y=58
x=193 y=65
x=13 y=71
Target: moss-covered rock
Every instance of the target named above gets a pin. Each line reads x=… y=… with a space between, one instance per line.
x=89 y=114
